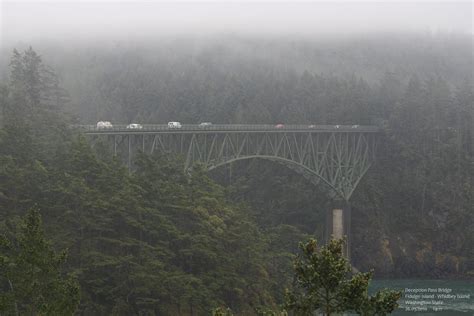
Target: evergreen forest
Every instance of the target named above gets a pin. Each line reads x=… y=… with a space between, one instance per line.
x=159 y=242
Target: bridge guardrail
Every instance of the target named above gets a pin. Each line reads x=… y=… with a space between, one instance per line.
x=227 y=127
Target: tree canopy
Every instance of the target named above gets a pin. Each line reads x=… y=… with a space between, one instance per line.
x=156 y=241
x=31 y=274
x=323 y=284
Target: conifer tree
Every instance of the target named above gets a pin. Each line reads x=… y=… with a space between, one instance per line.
x=322 y=284
x=30 y=274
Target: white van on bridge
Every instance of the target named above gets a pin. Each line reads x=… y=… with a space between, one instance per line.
x=174 y=125
x=104 y=124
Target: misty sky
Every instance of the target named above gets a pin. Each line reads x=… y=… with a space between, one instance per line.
x=85 y=19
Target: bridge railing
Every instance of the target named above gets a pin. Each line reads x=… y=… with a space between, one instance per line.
x=224 y=127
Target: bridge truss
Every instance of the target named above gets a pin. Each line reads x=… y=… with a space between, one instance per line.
x=337 y=156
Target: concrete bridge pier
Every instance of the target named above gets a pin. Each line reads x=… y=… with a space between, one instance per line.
x=338 y=224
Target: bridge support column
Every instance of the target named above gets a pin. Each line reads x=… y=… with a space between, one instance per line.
x=338 y=224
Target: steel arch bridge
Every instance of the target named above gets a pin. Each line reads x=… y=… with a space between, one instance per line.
x=335 y=155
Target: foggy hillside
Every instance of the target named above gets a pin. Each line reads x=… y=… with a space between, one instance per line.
x=86 y=231
x=83 y=68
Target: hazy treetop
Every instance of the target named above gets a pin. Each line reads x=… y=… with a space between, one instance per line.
x=28 y=21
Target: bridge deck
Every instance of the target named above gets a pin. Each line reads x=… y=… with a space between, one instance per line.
x=337 y=155
x=225 y=128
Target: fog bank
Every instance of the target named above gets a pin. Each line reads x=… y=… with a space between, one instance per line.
x=83 y=20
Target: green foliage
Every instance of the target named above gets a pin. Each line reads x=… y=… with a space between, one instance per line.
x=31 y=278
x=155 y=241
x=221 y=311
x=262 y=311
x=159 y=242
x=149 y=241
x=322 y=284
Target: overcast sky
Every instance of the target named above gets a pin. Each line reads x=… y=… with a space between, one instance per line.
x=81 y=19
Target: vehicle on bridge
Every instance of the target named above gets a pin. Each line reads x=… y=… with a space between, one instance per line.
x=104 y=124
x=134 y=126
x=174 y=125
x=205 y=124
x=279 y=125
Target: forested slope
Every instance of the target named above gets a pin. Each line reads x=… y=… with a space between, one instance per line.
x=153 y=241
x=156 y=240
x=413 y=205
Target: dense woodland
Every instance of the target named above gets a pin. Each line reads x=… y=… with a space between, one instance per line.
x=159 y=242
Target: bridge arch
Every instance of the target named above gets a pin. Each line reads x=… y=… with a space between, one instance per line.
x=309 y=174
